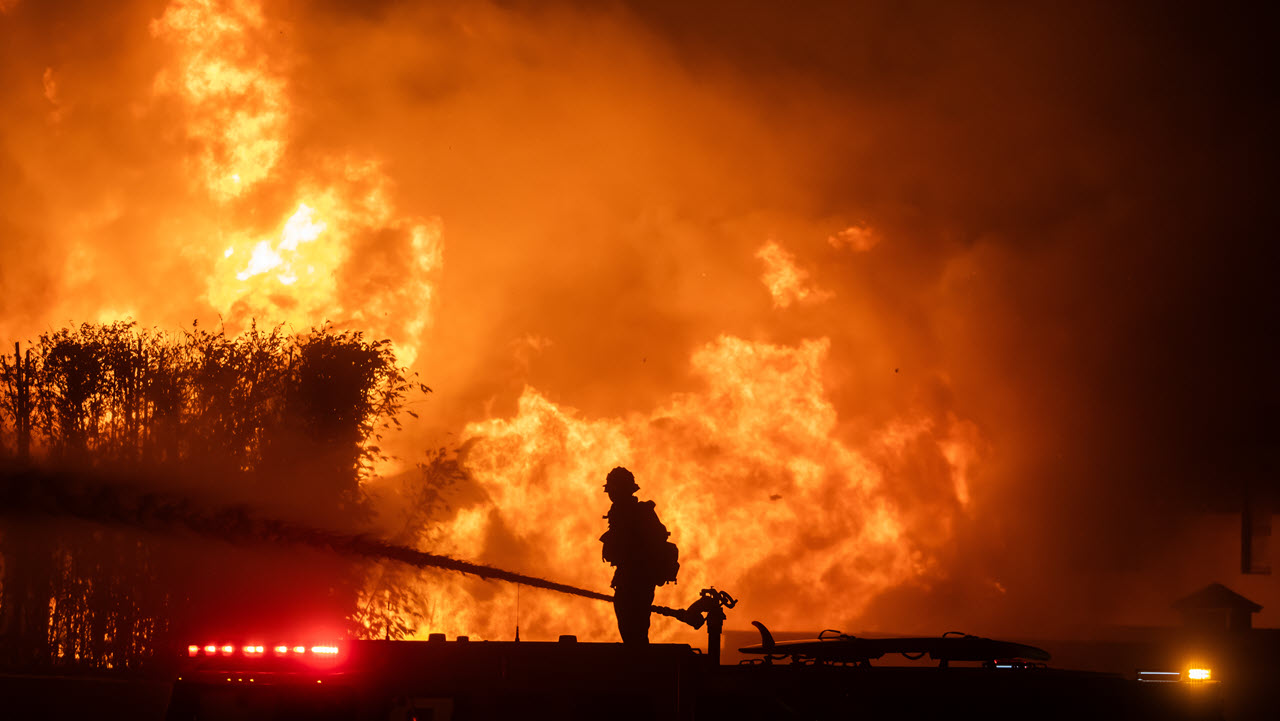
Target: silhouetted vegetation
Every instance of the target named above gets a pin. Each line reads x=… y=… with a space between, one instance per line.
x=284 y=423
x=390 y=606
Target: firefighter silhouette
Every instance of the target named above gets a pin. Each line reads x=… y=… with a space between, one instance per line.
x=636 y=544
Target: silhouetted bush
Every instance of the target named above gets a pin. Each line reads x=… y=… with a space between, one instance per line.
x=287 y=424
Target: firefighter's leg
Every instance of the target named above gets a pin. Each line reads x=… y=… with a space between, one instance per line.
x=631 y=604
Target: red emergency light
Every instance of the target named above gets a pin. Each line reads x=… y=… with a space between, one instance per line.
x=320 y=651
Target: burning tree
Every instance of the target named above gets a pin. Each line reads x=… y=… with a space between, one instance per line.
x=268 y=420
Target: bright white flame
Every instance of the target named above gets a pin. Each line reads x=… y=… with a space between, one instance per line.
x=301 y=227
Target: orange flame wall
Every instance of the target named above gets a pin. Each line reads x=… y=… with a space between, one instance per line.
x=880 y=312
x=762 y=497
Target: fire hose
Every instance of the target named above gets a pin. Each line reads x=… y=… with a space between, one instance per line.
x=27 y=491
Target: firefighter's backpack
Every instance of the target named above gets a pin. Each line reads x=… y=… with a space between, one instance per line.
x=667 y=563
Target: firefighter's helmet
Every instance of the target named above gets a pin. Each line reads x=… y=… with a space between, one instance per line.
x=620 y=479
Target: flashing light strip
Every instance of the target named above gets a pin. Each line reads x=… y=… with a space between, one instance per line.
x=1198 y=674
x=212 y=649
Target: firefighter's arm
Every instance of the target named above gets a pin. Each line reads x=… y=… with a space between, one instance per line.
x=606 y=549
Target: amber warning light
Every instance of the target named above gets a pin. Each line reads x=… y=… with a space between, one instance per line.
x=1198 y=674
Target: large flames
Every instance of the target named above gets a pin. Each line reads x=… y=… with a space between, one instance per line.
x=749 y=474
x=765 y=490
x=321 y=265
x=238 y=114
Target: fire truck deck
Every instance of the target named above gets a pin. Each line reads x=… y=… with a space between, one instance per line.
x=461 y=680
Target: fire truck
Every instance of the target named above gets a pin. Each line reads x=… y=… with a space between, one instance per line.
x=831 y=676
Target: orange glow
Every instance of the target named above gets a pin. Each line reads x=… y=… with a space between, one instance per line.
x=193 y=650
x=858 y=238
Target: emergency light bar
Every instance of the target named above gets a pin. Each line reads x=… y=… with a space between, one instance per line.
x=258 y=650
